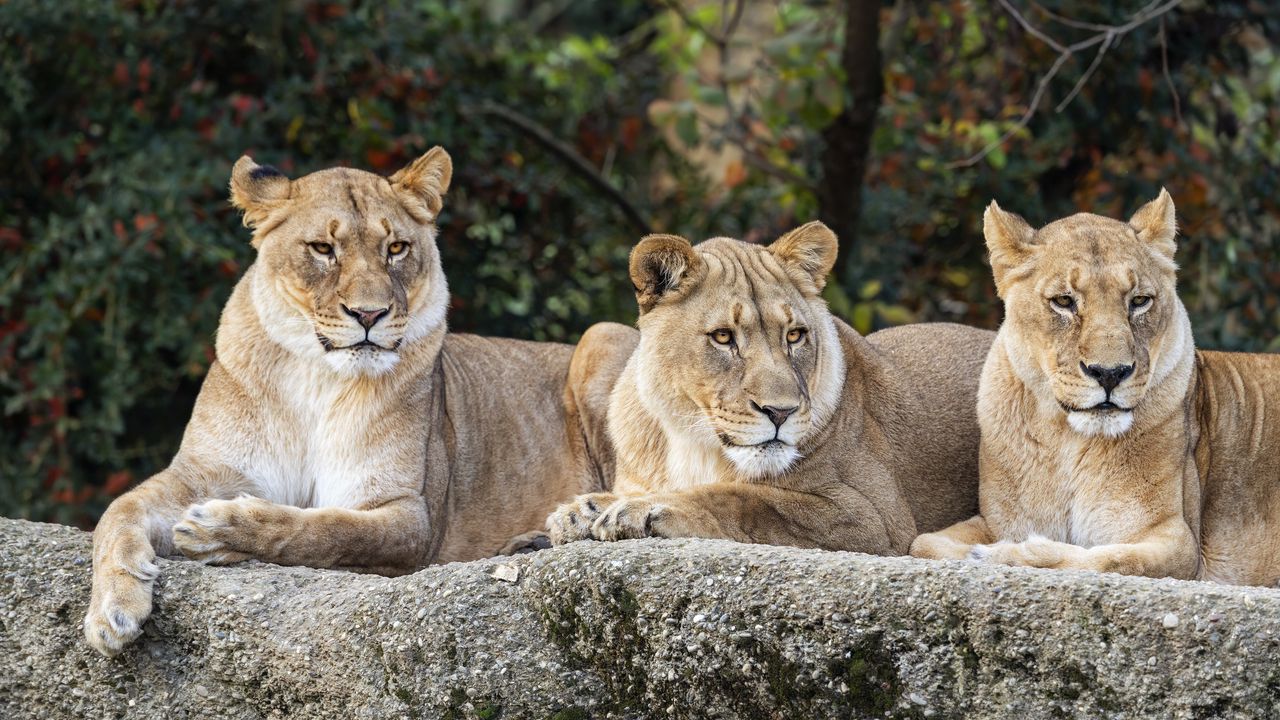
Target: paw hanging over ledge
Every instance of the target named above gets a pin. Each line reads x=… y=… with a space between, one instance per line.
x=650 y=628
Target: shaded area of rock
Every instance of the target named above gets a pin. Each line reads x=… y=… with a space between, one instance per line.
x=656 y=629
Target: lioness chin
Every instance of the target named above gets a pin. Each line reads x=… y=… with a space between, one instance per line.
x=340 y=426
x=748 y=412
x=1109 y=442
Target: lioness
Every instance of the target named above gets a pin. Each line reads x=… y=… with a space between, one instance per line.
x=340 y=426
x=1108 y=441
x=748 y=412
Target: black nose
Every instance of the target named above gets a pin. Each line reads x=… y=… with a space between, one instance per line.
x=776 y=415
x=366 y=316
x=1107 y=377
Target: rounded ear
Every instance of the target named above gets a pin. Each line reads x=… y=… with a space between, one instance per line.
x=812 y=247
x=661 y=266
x=1157 y=223
x=1010 y=240
x=423 y=183
x=257 y=189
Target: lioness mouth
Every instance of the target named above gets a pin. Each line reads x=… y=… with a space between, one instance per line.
x=1104 y=406
x=1108 y=405
x=766 y=445
x=328 y=345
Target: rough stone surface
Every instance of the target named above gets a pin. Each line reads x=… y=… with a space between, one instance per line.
x=641 y=629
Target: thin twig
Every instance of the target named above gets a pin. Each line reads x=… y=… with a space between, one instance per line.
x=1032 y=29
x=1168 y=78
x=571 y=157
x=1107 y=36
x=1088 y=73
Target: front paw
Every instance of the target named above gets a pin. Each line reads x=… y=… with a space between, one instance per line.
x=572 y=520
x=120 y=604
x=219 y=532
x=1035 y=551
x=635 y=517
x=529 y=542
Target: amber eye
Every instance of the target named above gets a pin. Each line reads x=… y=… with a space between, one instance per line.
x=1066 y=302
x=322 y=248
x=795 y=335
x=397 y=248
x=722 y=336
x=1140 y=301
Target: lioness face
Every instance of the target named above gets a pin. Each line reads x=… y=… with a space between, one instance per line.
x=350 y=256
x=1092 y=312
x=733 y=338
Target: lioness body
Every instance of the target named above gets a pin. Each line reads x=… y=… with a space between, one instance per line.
x=1168 y=467
x=886 y=438
x=340 y=425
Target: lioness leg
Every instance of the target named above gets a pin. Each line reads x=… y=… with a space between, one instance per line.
x=1167 y=549
x=955 y=542
x=750 y=513
x=131 y=532
x=389 y=538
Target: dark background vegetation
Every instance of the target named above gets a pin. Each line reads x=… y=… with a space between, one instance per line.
x=575 y=127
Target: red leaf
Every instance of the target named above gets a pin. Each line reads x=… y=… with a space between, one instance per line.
x=117 y=482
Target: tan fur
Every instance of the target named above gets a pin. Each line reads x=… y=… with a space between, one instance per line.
x=1188 y=486
x=882 y=441
x=430 y=448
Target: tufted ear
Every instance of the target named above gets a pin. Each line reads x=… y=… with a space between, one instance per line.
x=257 y=189
x=662 y=265
x=1157 y=223
x=423 y=183
x=812 y=247
x=1009 y=240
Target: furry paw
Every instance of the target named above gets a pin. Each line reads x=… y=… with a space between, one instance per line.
x=219 y=532
x=937 y=546
x=1035 y=551
x=573 y=520
x=529 y=542
x=634 y=517
x=120 y=604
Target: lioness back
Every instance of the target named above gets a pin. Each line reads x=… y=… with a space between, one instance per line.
x=505 y=433
x=1238 y=456
x=939 y=364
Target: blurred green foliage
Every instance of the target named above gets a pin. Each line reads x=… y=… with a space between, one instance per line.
x=119 y=122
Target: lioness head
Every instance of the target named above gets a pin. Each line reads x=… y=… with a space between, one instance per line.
x=737 y=348
x=1092 y=313
x=349 y=267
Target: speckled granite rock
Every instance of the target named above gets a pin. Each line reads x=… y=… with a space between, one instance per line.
x=642 y=629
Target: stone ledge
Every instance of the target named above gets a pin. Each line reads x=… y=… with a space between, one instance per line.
x=652 y=629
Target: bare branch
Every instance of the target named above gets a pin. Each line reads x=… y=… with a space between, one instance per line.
x=1032 y=29
x=571 y=157
x=1168 y=78
x=1022 y=121
x=1069 y=22
x=1106 y=36
x=1088 y=73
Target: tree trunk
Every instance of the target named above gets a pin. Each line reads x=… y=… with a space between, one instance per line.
x=848 y=137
